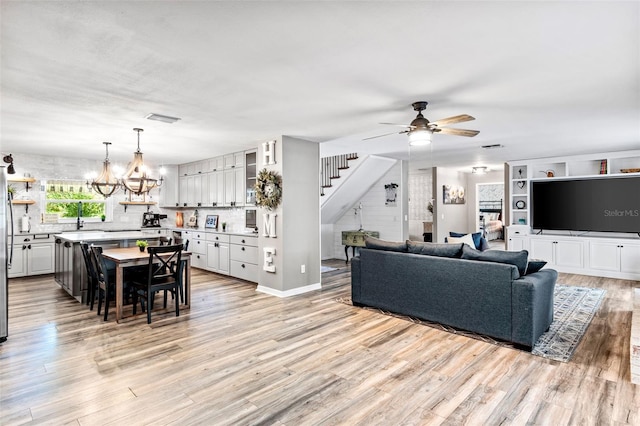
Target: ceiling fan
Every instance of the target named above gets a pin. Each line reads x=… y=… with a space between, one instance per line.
x=421 y=129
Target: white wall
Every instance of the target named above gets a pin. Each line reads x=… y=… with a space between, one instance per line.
x=376 y=215
x=450 y=217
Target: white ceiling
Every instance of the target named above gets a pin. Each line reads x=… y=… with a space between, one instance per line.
x=542 y=78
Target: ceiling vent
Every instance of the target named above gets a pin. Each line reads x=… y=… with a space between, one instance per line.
x=163 y=118
x=495 y=145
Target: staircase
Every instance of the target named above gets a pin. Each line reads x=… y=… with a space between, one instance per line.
x=330 y=169
x=354 y=183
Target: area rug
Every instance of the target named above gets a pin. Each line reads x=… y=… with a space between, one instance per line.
x=324 y=269
x=573 y=310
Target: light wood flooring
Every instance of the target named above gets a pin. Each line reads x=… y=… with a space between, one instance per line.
x=245 y=358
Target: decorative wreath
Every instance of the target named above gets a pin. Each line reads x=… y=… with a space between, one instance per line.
x=268 y=189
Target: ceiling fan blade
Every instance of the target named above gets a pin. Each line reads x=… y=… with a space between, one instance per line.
x=451 y=120
x=457 y=132
x=386 y=134
x=395 y=124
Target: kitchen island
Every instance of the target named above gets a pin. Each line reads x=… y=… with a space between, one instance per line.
x=70 y=270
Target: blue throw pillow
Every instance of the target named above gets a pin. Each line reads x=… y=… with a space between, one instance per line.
x=535 y=265
x=477 y=238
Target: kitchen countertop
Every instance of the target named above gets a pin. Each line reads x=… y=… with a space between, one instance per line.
x=213 y=231
x=76 y=237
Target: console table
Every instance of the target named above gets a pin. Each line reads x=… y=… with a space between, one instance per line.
x=355 y=239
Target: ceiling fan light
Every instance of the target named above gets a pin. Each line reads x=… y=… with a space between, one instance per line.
x=418 y=137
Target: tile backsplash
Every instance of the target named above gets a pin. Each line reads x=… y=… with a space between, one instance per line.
x=50 y=168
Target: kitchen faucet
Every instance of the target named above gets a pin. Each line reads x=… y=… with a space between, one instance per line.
x=79 y=223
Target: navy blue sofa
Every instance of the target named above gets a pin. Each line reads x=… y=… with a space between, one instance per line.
x=484 y=297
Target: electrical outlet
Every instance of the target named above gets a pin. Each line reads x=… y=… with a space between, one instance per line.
x=303 y=269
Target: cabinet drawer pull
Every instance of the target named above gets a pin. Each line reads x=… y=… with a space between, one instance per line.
x=242 y=249
x=242 y=265
x=243 y=243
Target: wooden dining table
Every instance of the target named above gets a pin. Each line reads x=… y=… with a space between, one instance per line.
x=132 y=256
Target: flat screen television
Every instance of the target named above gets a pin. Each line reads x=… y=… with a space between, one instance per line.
x=595 y=204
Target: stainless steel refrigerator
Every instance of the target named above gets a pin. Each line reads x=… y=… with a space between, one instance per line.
x=6 y=252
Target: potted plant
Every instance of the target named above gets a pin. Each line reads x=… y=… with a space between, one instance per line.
x=142 y=244
x=224 y=226
x=103 y=217
x=12 y=191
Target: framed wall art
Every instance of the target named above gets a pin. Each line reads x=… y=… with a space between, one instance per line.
x=452 y=194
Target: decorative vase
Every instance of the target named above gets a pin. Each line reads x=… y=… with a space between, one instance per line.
x=179 y=220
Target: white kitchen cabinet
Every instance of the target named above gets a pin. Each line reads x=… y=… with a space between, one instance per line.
x=235 y=160
x=243 y=257
x=215 y=164
x=615 y=256
x=215 y=189
x=250 y=177
x=33 y=254
x=234 y=192
x=170 y=189
x=192 y=190
x=198 y=248
x=516 y=243
x=558 y=251
x=218 y=253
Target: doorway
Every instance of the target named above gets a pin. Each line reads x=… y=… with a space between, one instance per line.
x=490 y=213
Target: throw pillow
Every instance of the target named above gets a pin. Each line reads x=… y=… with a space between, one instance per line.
x=535 y=265
x=466 y=239
x=414 y=246
x=378 y=244
x=517 y=258
x=477 y=238
x=442 y=250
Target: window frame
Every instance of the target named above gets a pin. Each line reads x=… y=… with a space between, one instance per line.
x=44 y=200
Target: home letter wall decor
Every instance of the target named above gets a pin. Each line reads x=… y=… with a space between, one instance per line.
x=269 y=153
x=269 y=225
x=268 y=259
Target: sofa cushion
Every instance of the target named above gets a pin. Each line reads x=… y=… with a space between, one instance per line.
x=466 y=239
x=378 y=244
x=535 y=265
x=517 y=258
x=442 y=250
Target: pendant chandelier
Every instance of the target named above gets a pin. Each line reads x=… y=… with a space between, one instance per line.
x=106 y=183
x=136 y=178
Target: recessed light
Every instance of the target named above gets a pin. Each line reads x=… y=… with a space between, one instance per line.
x=163 y=118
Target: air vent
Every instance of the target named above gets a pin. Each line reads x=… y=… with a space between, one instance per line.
x=495 y=145
x=163 y=118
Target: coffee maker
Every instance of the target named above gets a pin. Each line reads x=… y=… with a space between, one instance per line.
x=152 y=220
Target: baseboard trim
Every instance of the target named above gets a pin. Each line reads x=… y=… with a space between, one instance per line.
x=288 y=293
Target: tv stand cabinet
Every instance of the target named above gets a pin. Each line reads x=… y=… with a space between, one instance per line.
x=601 y=256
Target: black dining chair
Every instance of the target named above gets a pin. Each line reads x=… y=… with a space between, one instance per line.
x=92 y=277
x=164 y=241
x=164 y=274
x=106 y=284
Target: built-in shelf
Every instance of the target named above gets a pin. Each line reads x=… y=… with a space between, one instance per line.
x=137 y=203
x=27 y=183
x=22 y=180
